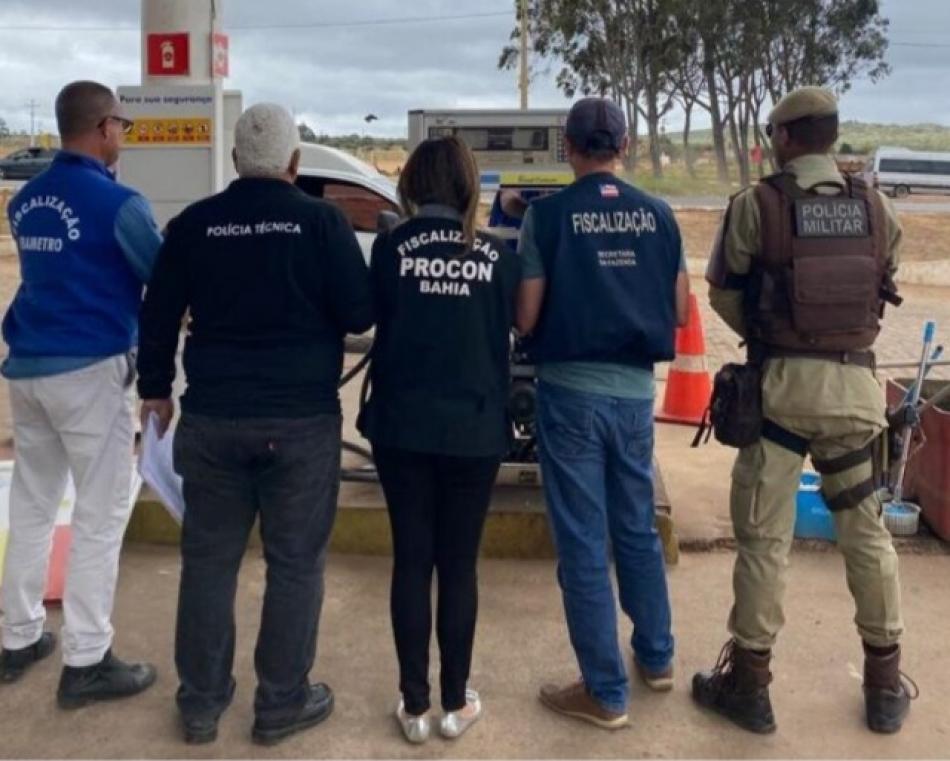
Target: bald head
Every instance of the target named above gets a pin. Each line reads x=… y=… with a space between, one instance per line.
x=81 y=107
x=266 y=142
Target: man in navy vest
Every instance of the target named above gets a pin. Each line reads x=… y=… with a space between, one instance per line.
x=603 y=292
x=86 y=246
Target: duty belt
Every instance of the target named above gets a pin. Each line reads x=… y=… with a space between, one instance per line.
x=864 y=359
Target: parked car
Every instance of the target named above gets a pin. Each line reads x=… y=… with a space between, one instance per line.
x=26 y=163
x=360 y=191
x=900 y=172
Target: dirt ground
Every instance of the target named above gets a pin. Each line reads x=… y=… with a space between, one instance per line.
x=521 y=642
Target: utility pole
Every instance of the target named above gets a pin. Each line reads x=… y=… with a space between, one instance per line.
x=523 y=84
x=32 y=106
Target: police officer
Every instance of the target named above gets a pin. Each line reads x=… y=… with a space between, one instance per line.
x=273 y=280
x=86 y=246
x=445 y=300
x=804 y=262
x=604 y=289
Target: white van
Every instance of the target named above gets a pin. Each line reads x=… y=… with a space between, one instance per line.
x=901 y=171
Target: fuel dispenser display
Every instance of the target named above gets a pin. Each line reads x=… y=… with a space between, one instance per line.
x=503 y=140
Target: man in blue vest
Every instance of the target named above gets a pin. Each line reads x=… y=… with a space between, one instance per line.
x=604 y=289
x=86 y=246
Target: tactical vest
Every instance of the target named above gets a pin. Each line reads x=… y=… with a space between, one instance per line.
x=611 y=256
x=440 y=359
x=821 y=280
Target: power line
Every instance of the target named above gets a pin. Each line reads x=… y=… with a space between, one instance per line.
x=376 y=22
x=311 y=25
x=370 y=23
x=920 y=44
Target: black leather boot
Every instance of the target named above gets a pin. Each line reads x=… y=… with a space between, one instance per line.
x=886 y=696
x=14 y=663
x=203 y=728
x=109 y=679
x=318 y=707
x=738 y=688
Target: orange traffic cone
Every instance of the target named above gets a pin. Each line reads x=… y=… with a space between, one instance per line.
x=688 y=385
x=58 y=559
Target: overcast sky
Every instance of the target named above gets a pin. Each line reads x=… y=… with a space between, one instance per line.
x=332 y=76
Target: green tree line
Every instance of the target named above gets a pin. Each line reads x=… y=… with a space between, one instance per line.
x=728 y=58
x=352 y=142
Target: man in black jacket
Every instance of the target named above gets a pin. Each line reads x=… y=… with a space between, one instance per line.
x=272 y=280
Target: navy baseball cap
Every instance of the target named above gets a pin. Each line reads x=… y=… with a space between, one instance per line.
x=596 y=124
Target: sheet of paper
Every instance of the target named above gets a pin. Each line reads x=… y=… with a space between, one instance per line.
x=156 y=467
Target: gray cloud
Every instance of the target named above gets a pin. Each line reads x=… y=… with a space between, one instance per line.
x=333 y=77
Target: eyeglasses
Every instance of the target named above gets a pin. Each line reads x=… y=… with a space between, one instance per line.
x=125 y=124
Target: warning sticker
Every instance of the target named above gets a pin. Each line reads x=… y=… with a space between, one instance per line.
x=177 y=131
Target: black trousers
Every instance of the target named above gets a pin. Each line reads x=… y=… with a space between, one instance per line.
x=437 y=508
x=288 y=472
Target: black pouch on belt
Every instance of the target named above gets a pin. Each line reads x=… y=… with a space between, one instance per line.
x=734 y=414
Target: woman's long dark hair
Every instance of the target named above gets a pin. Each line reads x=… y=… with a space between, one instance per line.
x=442 y=170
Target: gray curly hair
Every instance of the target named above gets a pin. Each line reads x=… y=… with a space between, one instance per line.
x=265 y=138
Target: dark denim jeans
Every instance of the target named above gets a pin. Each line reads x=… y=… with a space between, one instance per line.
x=288 y=473
x=597 y=464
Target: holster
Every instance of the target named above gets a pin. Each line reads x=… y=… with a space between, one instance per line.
x=734 y=414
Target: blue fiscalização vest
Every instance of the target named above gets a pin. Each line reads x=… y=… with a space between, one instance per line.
x=611 y=256
x=79 y=297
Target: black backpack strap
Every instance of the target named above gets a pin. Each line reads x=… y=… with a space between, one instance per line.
x=705 y=427
x=849 y=498
x=845 y=462
x=784 y=182
x=773 y=432
x=857 y=186
x=855 y=495
x=829 y=184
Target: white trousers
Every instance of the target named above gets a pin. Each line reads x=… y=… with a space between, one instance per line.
x=81 y=423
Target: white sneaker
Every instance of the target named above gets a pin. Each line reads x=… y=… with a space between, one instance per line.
x=454 y=723
x=415 y=728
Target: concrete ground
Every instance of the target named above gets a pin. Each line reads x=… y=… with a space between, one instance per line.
x=521 y=642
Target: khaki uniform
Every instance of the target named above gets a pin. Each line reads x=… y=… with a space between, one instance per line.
x=839 y=409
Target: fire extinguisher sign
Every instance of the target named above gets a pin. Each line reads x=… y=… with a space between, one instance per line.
x=168 y=54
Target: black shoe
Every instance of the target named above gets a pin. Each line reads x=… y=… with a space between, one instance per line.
x=318 y=707
x=14 y=663
x=109 y=679
x=738 y=688
x=199 y=730
x=887 y=690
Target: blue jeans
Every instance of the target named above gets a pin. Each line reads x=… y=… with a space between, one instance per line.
x=597 y=464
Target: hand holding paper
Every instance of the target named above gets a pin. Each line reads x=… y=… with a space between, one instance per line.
x=157 y=467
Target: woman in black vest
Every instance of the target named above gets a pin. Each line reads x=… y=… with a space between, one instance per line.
x=436 y=416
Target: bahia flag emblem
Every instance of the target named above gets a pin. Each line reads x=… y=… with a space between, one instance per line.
x=609 y=191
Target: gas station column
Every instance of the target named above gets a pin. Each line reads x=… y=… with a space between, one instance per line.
x=179 y=149
x=175 y=41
